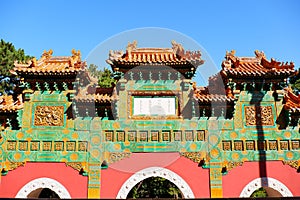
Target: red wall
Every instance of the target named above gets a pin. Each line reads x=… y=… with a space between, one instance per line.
x=67 y=176
x=235 y=181
x=114 y=177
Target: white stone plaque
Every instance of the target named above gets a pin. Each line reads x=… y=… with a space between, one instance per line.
x=154 y=106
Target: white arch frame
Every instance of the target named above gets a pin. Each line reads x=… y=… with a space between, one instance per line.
x=155 y=172
x=43 y=182
x=265 y=182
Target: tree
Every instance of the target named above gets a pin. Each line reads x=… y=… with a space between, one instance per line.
x=295 y=82
x=260 y=192
x=104 y=76
x=155 y=187
x=8 y=55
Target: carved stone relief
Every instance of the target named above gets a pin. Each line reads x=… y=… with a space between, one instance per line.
x=49 y=116
x=259 y=116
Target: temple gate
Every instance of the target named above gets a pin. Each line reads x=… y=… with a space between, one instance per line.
x=60 y=131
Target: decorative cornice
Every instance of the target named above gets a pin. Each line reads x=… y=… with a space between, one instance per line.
x=292 y=163
x=113 y=157
x=78 y=166
x=9 y=166
x=196 y=157
x=230 y=165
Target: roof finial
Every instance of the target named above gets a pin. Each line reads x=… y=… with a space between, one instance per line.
x=259 y=54
x=177 y=48
x=47 y=54
x=230 y=54
x=131 y=46
x=76 y=55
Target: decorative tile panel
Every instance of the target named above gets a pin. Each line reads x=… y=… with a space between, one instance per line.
x=226 y=145
x=82 y=146
x=47 y=145
x=109 y=135
x=120 y=136
x=238 y=145
x=273 y=145
x=11 y=145
x=189 y=136
x=295 y=144
x=250 y=145
x=165 y=135
x=131 y=136
x=200 y=135
x=261 y=145
x=34 y=145
x=58 y=146
x=71 y=146
x=154 y=135
x=177 y=135
x=23 y=145
x=284 y=145
x=143 y=136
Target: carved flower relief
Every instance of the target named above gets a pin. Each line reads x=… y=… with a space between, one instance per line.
x=49 y=116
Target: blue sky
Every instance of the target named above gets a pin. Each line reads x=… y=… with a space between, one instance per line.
x=271 y=26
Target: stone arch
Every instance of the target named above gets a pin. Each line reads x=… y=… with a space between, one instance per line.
x=155 y=172
x=265 y=182
x=39 y=183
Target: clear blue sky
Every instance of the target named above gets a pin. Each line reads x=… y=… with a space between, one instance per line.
x=271 y=26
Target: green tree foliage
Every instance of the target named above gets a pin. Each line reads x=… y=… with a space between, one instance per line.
x=104 y=76
x=155 y=187
x=8 y=55
x=295 y=82
x=260 y=192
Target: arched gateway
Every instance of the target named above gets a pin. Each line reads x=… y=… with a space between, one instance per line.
x=58 y=116
x=265 y=182
x=41 y=183
x=155 y=172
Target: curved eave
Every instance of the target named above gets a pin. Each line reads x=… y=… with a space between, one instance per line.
x=215 y=99
x=254 y=74
x=11 y=110
x=194 y=63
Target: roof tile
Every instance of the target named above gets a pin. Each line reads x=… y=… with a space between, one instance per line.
x=255 y=66
x=9 y=104
x=51 y=65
